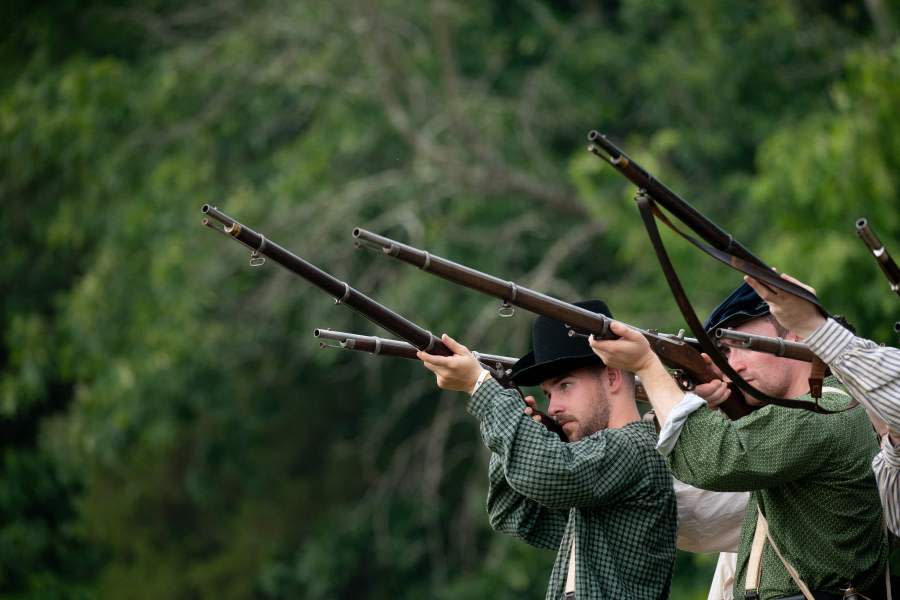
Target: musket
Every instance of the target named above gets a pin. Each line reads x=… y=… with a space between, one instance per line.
x=673 y=351
x=342 y=292
x=761 y=343
x=729 y=250
x=379 y=345
x=396 y=348
x=887 y=264
x=717 y=243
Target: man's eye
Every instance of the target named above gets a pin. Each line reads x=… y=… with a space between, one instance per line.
x=565 y=386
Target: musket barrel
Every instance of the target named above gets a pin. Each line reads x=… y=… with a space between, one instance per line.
x=339 y=290
x=770 y=345
x=668 y=198
x=380 y=345
x=366 y=343
x=379 y=314
x=506 y=291
x=730 y=251
x=885 y=261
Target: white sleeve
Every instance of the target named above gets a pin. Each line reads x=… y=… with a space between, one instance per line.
x=709 y=521
x=669 y=433
x=886 y=465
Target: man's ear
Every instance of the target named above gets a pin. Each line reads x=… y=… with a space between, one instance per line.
x=613 y=378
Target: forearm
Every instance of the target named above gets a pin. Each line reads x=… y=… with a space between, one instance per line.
x=661 y=389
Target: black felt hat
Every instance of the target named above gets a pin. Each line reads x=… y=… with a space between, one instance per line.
x=554 y=352
x=743 y=305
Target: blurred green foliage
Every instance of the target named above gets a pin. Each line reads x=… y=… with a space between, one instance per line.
x=170 y=428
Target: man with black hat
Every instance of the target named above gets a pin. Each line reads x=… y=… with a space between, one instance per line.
x=813 y=527
x=604 y=499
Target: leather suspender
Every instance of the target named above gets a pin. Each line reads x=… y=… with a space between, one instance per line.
x=754 y=566
x=569 y=590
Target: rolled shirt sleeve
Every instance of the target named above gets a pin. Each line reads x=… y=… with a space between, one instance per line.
x=668 y=435
x=870 y=372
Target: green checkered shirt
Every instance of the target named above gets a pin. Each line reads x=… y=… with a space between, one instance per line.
x=611 y=492
x=811 y=475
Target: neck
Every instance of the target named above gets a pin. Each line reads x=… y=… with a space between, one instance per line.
x=622 y=411
x=800 y=380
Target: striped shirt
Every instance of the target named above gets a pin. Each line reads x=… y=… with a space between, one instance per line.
x=610 y=494
x=872 y=374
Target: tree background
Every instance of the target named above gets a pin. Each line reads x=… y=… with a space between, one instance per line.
x=170 y=427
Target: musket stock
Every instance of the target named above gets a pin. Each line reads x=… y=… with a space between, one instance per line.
x=673 y=351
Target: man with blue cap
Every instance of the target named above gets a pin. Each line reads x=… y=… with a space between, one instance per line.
x=604 y=499
x=870 y=370
x=813 y=527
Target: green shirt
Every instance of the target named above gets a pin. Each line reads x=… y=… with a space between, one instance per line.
x=611 y=492
x=811 y=475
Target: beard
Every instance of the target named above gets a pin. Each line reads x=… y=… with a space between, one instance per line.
x=596 y=421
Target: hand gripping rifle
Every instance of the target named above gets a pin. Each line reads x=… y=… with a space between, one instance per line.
x=672 y=350
x=420 y=338
x=716 y=242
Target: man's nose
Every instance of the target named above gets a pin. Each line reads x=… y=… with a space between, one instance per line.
x=555 y=407
x=737 y=359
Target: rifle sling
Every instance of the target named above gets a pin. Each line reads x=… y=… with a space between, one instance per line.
x=649 y=213
x=760 y=273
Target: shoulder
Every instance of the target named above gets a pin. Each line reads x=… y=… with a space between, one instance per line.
x=637 y=434
x=636 y=440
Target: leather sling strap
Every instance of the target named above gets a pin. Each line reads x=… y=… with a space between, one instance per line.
x=758 y=271
x=648 y=211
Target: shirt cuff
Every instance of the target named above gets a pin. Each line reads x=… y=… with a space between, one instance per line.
x=480 y=402
x=830 y=340
x=890 y=452
x=668 y=435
